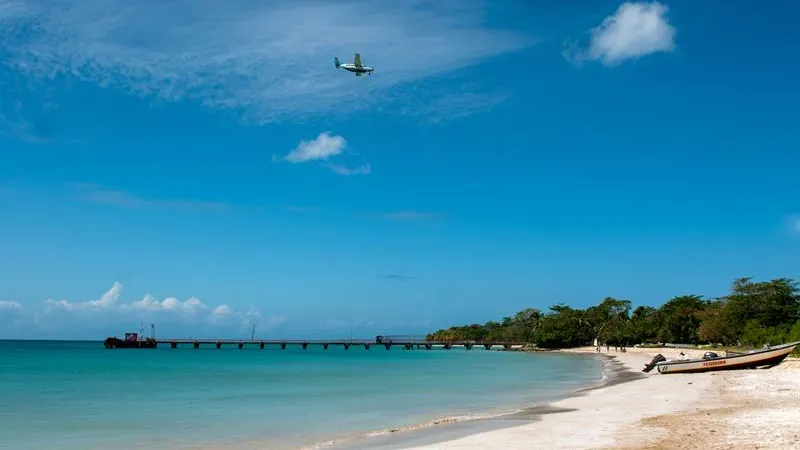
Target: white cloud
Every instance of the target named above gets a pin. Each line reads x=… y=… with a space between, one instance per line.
x=324 y=148
x=189 y=308
x=222 y=310
x=106 y=301
x=463 y=101
x=8 y=305
x=274 y=321
x=364 y=169
x=321 y=148
x=636 y=29
x=225 y=315
x=192 y=305
x=150 y=303
x=96 y=193
x=270 y=61
x=108 y=315
x=227 y=311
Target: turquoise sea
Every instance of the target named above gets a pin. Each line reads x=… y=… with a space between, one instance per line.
x=78 y=395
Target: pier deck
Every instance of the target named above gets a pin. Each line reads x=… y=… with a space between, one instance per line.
x=325 y=344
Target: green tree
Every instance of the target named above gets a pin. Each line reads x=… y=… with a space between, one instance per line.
x=756 y=335
x=645 y=324
x=753 y=313
x=563 y=327
x=769 y=304
x=716 y=326
x=526 y=323
x=609 y=320
x=680 y=318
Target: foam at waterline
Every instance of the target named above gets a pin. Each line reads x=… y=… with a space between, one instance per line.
x=413 y=427
x=611 y=371
x=614 y=372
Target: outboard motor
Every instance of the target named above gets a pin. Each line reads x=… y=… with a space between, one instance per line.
x=656 y=359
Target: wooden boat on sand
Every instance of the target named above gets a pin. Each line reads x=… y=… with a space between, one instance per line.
x=766 y=358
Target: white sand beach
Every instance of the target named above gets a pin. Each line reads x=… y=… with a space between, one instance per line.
x=716 y=410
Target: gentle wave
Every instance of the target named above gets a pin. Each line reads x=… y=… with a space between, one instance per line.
x=610 y=371
x=407 y=428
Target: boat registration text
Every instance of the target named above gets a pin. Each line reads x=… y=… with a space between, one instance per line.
x=713 y=363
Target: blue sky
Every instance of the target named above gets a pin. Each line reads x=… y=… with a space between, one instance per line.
x=202 y=164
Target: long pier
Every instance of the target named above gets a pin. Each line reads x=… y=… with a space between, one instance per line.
x=304 y=344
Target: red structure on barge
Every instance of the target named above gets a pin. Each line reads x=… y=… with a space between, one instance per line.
x=131 y=340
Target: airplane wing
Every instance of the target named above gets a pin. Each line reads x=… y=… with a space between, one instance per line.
x=357 y=60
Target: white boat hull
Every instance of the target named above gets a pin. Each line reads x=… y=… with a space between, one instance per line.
x=761 y=358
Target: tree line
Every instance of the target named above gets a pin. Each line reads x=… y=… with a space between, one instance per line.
x=752 y=314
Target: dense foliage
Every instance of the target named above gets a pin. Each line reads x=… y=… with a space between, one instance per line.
x=752 y=314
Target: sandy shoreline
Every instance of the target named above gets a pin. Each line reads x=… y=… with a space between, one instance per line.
x=447 y=428
x=730 y=410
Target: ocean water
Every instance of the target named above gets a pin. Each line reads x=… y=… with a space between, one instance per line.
x=78 y=395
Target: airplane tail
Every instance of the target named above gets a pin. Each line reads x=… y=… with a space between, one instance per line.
x=336 y=61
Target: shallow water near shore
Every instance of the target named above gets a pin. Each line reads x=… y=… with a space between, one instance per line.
x=613 y=373
x=77 y=395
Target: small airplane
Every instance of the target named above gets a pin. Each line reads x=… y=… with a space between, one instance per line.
x=356 y=67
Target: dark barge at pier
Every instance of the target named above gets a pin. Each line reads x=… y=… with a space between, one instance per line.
x=131 y=340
